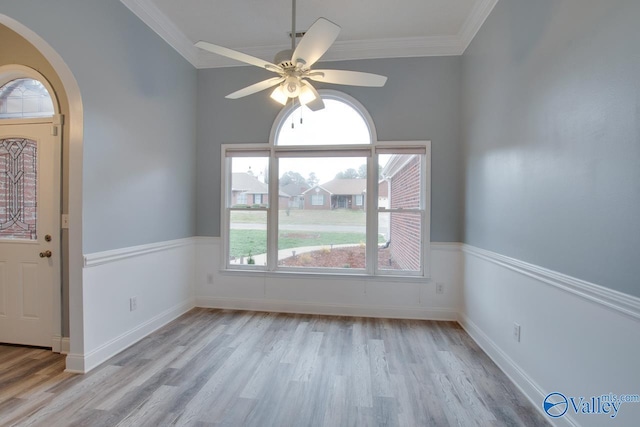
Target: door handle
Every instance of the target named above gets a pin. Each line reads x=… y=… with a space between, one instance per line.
x=45 y=254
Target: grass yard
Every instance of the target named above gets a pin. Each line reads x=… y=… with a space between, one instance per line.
x=298 y=216
x=254 y=242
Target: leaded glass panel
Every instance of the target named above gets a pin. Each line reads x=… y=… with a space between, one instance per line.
x=18 y=187
x=25 y=98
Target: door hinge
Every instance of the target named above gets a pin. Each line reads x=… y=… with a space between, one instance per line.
x=64 y=222
x=54 y=130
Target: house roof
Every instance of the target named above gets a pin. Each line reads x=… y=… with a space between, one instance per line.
x=344 y=186
x=293 y=189
x=246 y=183
x=242 y=181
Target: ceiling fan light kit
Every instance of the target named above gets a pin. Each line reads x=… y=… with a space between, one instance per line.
x=294 y=66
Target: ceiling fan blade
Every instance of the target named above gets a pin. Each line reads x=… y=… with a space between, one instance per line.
x=254 y=88
x=316 y=104
x=344 y=77
x=315 y=42
x=238 y=56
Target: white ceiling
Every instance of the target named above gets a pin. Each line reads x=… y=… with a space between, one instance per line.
x=370 y=28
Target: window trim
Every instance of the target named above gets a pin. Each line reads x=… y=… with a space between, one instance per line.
x=371 y=197
x=371 y=151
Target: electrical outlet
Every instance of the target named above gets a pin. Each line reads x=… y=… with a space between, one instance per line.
x=439 y=288
x=133 y=303
x=210 y=279
x=516 y=332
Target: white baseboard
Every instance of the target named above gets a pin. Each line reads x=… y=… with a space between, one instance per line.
x=86 y=362
x=526 y=384
x=159 y=277
x=577 y=338
x=327 y=309
x=60 y=345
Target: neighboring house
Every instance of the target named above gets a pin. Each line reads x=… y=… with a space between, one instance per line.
x=295 y=192
x=383 y=194
x=402 y=178
x=248 y=190
x=337 y=194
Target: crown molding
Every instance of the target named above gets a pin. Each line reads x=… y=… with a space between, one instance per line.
x=347 y=50
x=149 y=13
x=474 y=22
x=407 y=47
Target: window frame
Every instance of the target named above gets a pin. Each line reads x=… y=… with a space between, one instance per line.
x=370 y=199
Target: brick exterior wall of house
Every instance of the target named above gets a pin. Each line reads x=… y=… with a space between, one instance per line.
x=18 y=173
x=405 y=227
x=326 y=202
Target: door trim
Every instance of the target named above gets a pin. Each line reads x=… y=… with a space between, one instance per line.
x=74 y=131
x=16 y=71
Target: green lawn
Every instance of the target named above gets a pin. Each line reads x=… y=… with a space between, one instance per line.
x=244 y=242
x=298 y=216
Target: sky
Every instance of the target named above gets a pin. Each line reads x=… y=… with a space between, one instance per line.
x=347 y=127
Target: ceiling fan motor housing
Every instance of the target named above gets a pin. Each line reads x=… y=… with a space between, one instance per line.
x=283 y=59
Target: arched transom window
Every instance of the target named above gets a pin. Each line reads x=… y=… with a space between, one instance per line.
x=25 y=98
x=339 y=123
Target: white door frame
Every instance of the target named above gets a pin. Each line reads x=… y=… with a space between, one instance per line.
x=7 y=74
x=74 y=128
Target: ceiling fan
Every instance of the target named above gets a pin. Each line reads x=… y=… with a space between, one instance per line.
x=293 y=66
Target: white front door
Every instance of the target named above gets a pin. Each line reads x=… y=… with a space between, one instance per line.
x=29 y=233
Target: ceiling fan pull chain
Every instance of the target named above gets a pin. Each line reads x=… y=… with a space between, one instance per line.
x=293 y=102
x=300 y=111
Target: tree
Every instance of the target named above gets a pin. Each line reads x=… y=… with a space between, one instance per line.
x=312 y=180
x=362 y=171
x=350 y=173
x=292 y=177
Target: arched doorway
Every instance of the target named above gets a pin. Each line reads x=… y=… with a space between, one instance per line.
x=73 y=137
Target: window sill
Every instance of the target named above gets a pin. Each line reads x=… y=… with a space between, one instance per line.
x=325 y=276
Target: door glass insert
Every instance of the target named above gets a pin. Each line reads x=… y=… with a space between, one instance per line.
x=25 y=98
x=18 y=187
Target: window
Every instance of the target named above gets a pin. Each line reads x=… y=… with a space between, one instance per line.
x=25 y=98
x=355 y=206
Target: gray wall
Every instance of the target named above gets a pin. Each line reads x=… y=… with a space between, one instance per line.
x=551 y=95
x=421 y=101
x=139 y=99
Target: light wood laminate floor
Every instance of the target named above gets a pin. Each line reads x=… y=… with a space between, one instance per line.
x=235 y=368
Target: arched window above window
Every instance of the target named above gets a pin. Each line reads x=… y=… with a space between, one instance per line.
x=343 y=121
x=25 y=98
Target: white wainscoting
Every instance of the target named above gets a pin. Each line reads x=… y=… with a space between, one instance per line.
x=159 y=275
x=340 y=295
x=577 y=338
